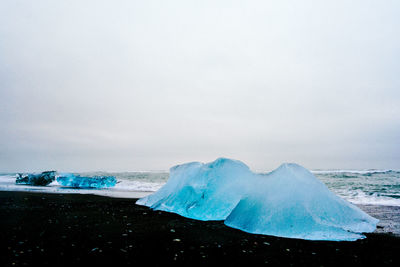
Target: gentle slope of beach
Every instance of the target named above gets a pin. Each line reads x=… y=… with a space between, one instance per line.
x=68 y=229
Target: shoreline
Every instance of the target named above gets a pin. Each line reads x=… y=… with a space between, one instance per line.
x=389 y=216
x=79 y=191
x=64 y=229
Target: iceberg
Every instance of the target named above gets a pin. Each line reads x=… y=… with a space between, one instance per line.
x=40 y=179
x=287 y=202
x=78 y=181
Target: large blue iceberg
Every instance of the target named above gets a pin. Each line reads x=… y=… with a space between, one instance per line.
x=39 y=179
x=78 y=181
x=288 y=202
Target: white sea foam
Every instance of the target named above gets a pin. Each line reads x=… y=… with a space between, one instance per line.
x=126 y=185
x=373 y=171
x=361 y=198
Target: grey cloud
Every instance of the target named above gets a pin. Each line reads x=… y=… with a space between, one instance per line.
x=127 y=85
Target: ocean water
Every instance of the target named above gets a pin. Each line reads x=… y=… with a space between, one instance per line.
x=364 y=187
x=361 y=187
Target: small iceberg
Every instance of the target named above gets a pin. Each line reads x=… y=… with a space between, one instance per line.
x=40 y=179
x=77 y=181
x=287 y=202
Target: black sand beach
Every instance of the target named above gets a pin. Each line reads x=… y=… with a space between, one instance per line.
x=76 y=230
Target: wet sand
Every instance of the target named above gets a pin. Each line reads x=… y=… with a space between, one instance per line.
x=76 y=230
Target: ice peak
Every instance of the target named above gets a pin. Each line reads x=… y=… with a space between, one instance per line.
x=220 y=162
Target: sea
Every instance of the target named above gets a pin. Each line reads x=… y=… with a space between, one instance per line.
x=375 y=191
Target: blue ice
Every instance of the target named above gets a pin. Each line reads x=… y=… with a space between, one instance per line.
x=78 y=181
x=288 y=202
x=39 y=179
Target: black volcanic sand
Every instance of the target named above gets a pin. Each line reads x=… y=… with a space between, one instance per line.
x=72 y=230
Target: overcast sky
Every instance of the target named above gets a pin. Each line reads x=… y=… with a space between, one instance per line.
x=144 y=85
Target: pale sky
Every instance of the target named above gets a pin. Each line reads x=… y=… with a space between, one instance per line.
x=145 y=85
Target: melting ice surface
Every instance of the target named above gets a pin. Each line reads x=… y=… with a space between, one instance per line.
x=78 y=181
x=288 y=202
